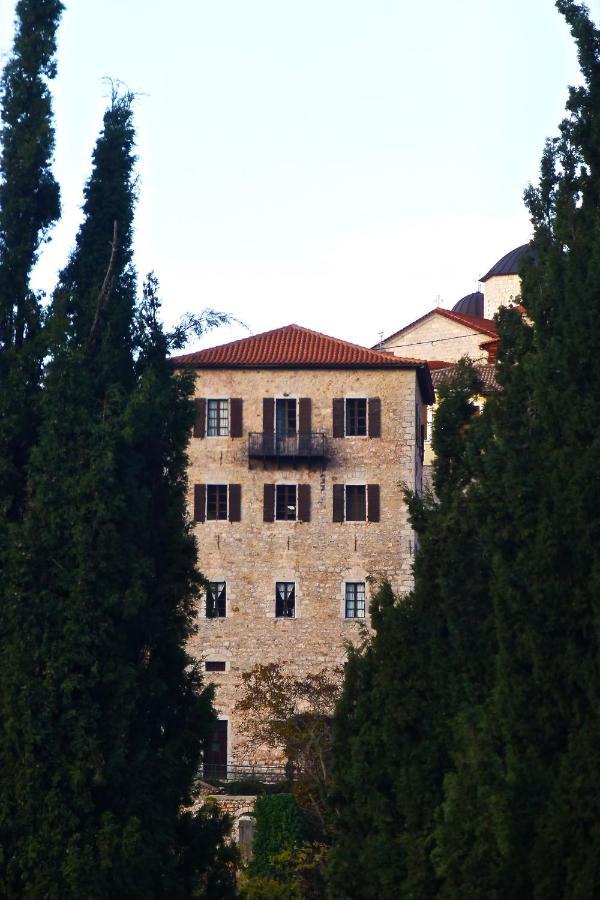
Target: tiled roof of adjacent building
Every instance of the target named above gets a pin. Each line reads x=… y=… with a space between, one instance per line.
x=487 y=374
x=294 y=347
x=510 y=264
x=475 y=323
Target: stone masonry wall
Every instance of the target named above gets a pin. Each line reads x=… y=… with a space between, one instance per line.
x=501 y=290
x=437 y=338
x=320 y=555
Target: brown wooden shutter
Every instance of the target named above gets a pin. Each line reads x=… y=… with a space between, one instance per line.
x=199 y=502
x=269 y=503
x=305 y=415
x=268 y=415
x=374 y=417
x=236 y=418
x=338 y=429
x=373 y=510
x=304 y=502
x=235 y=503
x=200 y=419
x=338 y=502
x=424 y=421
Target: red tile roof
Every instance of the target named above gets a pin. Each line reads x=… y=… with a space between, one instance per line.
x=481 y=326
x=294 y=347
x=487 y=375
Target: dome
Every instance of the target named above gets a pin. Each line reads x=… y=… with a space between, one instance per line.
x=471 y=305
x=510 y=264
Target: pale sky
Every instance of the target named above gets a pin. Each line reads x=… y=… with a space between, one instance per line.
x=342 y=164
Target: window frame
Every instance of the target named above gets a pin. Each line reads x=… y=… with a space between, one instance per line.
x=353 y=398
x=295 y=596
x=355 y=584
x=286 y=485
x=356 y=484
x=289 y=399
x=222 y=671
x=222 y=581
x=218 y=433
x=217 y=518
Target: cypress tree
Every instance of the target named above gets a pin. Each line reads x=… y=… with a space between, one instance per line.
x=431 y=653
x=29 y=205
x=103 y=708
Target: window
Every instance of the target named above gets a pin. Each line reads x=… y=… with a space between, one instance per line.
x=285 y=418
x=355 y=600
x=285 y=599
x=285 y=502
x=356 y=417
x=356 y=503
x=215 y=665
x=217 y=418
x=216 y=600
x=216 y=501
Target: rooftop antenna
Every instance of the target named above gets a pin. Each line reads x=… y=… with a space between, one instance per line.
x=380 y=341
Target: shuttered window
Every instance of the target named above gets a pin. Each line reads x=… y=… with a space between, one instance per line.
x=356 y=416
x=285 y=502
x=217 y=502
x=217 y=418
x=356 y=503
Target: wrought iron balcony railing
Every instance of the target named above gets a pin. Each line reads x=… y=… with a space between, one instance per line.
x=310 y=445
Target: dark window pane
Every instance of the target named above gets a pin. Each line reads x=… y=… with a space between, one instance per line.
x=285 y=599
x=355 y=600
x=356 y=417
x=217 y=422
x=285 y=501
x=216 y=600
x=214 y=665
x=356 y=504
x=285 y=418
x=216 y=501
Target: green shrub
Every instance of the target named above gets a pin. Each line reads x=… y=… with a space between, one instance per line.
x=279 y=826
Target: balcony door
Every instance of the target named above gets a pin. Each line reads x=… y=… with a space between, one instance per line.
x=286 y=420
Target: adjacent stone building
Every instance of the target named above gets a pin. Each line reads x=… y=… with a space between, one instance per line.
x=300 y=448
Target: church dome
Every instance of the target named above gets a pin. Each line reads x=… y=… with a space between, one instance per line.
x=510 y=264
x=471 y=305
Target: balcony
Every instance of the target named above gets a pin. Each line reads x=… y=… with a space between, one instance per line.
x=308 y=446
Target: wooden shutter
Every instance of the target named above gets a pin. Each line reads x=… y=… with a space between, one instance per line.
x=236 y=418
x=304 y=415
x=424 y=421
x=338 y=429
x=374 y=417
x=200 y=419
x=338 y=502
x=235 y=503
x=268 y=415
x=199 y=502
x=269 y=503
x=373 y=511
x=304 y=502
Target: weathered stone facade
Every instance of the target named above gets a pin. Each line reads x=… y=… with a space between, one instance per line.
x=319 y=555
x=436 y=337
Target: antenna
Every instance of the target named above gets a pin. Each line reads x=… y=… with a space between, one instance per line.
x=380 y=340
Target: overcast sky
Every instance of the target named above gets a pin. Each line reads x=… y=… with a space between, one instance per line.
x=342 y=164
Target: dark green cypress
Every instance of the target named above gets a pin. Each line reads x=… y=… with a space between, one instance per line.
x=432 y=652
x=29 y=205
x=104 y=710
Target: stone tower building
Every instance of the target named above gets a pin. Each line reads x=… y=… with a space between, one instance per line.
x=300 y=447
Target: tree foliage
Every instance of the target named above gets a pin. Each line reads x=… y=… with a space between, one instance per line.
x=292 y=715
x=103 y=710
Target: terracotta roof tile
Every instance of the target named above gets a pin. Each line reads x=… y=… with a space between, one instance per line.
x=487 y=374
x=292 y=346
